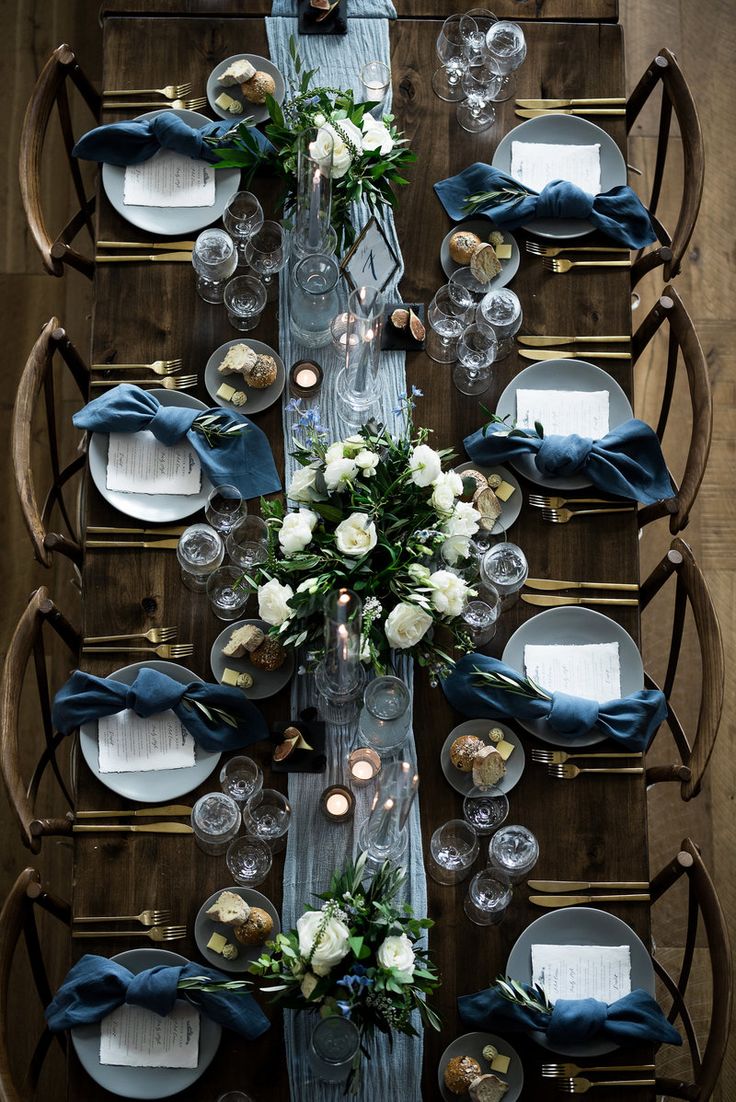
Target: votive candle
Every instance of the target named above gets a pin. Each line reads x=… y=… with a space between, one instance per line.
x=337 y=803
x=364 y=765
x=305 y=379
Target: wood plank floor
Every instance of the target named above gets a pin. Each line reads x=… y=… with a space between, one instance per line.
x=704 y=39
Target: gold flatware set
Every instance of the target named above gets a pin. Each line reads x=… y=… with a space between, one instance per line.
x=565 y=893
x=559 y=757
x=132 y=828
x=533 y=108
x=158 y=367
x=166 y=650
x=564 y=516
x=101 y=529
x=145 y=918
x=553 y=583
x=169 y=91
x=170 y=382
x=554 y=264
x=156 y=933
x=147 y=545
x=538 y=354
x=582 y=1086
x=138 y=258
x=153 y=635
x=195 y=103
x=572 y=772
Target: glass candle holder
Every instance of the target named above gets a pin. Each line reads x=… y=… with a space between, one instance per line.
x=245 y=299
x=224 y=508
x=313 y=189
x=200 y=551
x=452 y=852
x=383 y=835
x=249 y=861
x=504 y=567
x=385 y=717
x=364 y=765
x=241 y=778
x=214 y=259
x=488 y=898
x=375 y=78
x=327 y=245
x=337 y=803
x=339 y=677
x=227 y=598
x=266 y=816
x=513 y=851
x=333 y=1046
x=485 y=808
x=305 y=379
x=501 y=311
x=342 y=330
x=356 y=387
x=314 y=299
x=215 y=822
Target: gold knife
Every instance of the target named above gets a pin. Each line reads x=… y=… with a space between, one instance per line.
x=149 y=545
x=550 y=602
x=583 y=885
x=142 y=812
x=543 y=354
x=143 y=257
x=574 y=900
x=101 y=530
x=546 y=583
x=138 y=828
x=550 y=342
x=145 y=244
x=535 y=104
x=580 y=112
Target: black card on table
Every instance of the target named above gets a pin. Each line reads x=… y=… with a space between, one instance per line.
x=321 y=20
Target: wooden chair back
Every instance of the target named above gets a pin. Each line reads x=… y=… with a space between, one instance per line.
x=691 y=591
x=18 y=919
x=677 y=99
x=38 y=377
x=51 y=89
x=704 y=909
x=683 y=347
x=28 y=644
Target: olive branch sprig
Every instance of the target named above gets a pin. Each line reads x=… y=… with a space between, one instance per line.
x=496 y=196
x=521 y=686
x=214 y=428
x=213 y=716
x=214 y=987
x=532 y=997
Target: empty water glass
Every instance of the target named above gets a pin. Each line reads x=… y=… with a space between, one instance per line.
x=225 y=507
x=385 y=718
x=247 y=543
x=200 y=551
x=489 y=894
x=215 y=822
x=474 y=27
x=452 y=852
x=214 y=259
x=480 y=84
x=245 y=298
x=241 y=778
x=485 y=808
x=506 y=52
x=513 y=851
x=375 y=76
x=451 y=52
x=266 y=816
x=267 y=252
x=465 y=289
x=333 y=1047
x=501 y=311
x=480 y=616
x=228 y=594
x=447 y=316
x=249 y=861
x=235 y=1096
x=476 y=351
x=504 y=567
x=243 y=216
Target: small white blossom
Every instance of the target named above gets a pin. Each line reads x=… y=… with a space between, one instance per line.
x=425 y=465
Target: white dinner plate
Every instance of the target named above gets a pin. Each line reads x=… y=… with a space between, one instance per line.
x=472 y=1044
x=258 y=400
x=205 y=926
x=155 y=786
x=574 y=625
x=510 y=509
x=255 y=112
x=171 y=221
x=580 y=926
x=463 y=782
x=144 y=1082
x=484 y=228
x=564 y=130
x=265 y=682
x=157 y=508
x=562 y=375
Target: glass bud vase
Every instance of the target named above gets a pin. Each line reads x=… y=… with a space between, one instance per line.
x=340 y=677
x=385 y=718
x=313 y=191
x=383 y=835
x=314 y=299
x=355 y=388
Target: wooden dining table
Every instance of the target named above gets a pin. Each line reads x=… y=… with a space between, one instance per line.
x=588 y=829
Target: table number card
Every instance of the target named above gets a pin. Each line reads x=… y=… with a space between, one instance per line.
x=589 y=670
x=537 y=164
x=138 y=463
x=582 y=971
x=562 y=412
x=137 y=1038
x=129 y=743
x=169 y=180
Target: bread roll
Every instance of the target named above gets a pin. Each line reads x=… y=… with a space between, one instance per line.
x=462 y=246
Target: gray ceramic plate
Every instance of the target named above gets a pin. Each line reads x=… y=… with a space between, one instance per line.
x=463 y=782
x=472 y=1044
x=158 y=508
x=484 y=228
x=256 y=112
x=258 y=400
x=265 y=682
x=174 y=221
x=509 y=509
x=144 y=1082
x=205 y=927
x=564 y=130
x=580 y=926
x=574 y=625
x=562 y=375
x=154 y=786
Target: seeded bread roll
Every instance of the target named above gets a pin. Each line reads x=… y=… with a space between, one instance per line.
x=256 y=929
x=258 y=87
x=463 y=751
x=263 y=373
x=269 y=656
x=488 y=767
x=460 y=1073
x=462 y=246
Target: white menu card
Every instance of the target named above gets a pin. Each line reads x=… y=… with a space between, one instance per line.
x=138 y=463
x=589 y=670
x=582 y=971
x=129 y=743
x=536 y=164
x=169 y=179
x=562 y=412
x=137 y=1038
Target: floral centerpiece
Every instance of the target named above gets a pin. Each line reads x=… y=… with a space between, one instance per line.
x=373 y=512
x=357 y=955
x=369 y=155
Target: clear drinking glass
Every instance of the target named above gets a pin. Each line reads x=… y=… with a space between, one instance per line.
x=247 y=543
x=489 y=894
x=245 y=298
x=214 y=259
x=474 y=27
x=504 y=567
x=200 y=551
x=235 y=1096
x=266 y=816
x=224 y=508
x=241 y=778
x=476 y=351
x=242 y=217
x=267 y=252
x=215 y=821
x=480 y=616
x=506 y=52
x=465 y=288
x=451 y=52
x=452 y=852
x=485 y=808
x=513 y=851
x=249 y=861
x=385 y=718
x=227 y=598
x=501 y=311
x=479 y=83
x=448 y=316
x=333 y=1047
x=376 y=80
x=314 y=299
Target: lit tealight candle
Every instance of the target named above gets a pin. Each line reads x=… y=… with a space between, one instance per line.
x=337 y=803
x=364 y=765
x=305 y=379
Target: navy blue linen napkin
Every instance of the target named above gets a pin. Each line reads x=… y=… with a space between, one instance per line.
x=136 y=140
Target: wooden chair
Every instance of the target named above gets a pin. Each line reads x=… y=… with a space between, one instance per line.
x=691 y=590
x=678 y=99
x=18 y=918
x=38 y=376
x=703 y=903
x=51 y=89
x=28 y=643
x=683 y=347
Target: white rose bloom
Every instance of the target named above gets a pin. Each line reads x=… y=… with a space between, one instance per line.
x=334 y=452
x=367 y=461
x=445 y=488
x=405 y=625
x=352 y=445
x=272 y=606
x=339 y=473
x=397 y=952
x=376 y=135
x=302 y=486
x=425 y=465
x=449 y=592
x=308 y=984
x=341 y=156
x=464 y=520
x=455 y=548
x=332 y=945
x=356 y=535
x=296 y=530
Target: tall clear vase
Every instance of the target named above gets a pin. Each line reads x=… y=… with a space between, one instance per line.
x=356 y=389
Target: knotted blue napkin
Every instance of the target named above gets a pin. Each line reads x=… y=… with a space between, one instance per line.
x=619 y=213
x=135 y=141
x=95 y=986
x=243 y=459
x=635 y=1017
x=631 y=721
x=85 y=697
x=628 y=461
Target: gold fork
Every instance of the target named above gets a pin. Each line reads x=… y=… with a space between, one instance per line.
x=550 y=250
x=161 y=367
x=167 y=650
x=582 y=1086
x=563 y=516
x=170 y=91
x=176 y=104
x=555 y=1071
x=178 y=382
x=559 y=757
x=145 y=918
x=157 y=933
x=546 y=501
x=566 y=265
x=153 y=635
x=570 y=772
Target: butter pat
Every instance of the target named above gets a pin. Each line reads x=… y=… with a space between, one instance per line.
x=500 y=1063
x=504 y=491
x=217 y=943
x=226 y=392
x=503 y=252
x=505 y=749
x=227 y=103
x=239 y=680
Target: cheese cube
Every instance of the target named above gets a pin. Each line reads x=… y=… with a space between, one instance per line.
x=501 y=1063
x=230 y=677
x=504 y=491
x=226 y=392
x=227 y=103
x=505 y=749
x=217 y=943
x=503 y=252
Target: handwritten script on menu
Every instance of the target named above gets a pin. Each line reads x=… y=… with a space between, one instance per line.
x=589 y=670
x=582 y=971
x=129 y=743
x=169 y=180
x=562 y=412
x=138 y=463
x=138 y=1038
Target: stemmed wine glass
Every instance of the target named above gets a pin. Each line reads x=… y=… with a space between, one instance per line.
x=247 y=542
x=465 y=288
x=243 y=216
x=474 y=27
x=506 y=47
x=447 y=315
x=476 y=351
x=501 y=311
x=451 y=52
x=480 y=84
x=267 y=251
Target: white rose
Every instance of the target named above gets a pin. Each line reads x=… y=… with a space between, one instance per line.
x=308 y=984
x=367 y=461
x=356 y=535
x=352 y=445
x=425 y=465
x=445 y=488
x=449 y=592
x=464 y=520
x=334 y=452
x=332 y=945
x=296 y=530
x=455 y=548
x=376 y=135
x=397 y=952
x=330 y=144
x=272 y=606
x=339 y=473
x=405 y=625
x=302 y=486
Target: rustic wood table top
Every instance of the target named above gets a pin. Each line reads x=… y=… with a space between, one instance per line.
x=577 y=11
x=588 y=829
